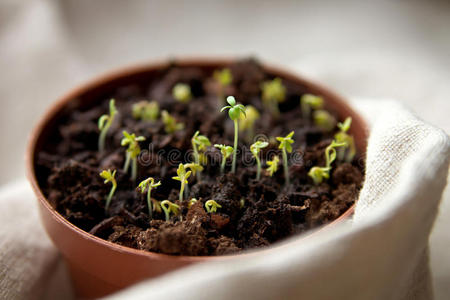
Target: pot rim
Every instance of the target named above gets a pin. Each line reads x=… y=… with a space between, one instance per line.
x=182 y=61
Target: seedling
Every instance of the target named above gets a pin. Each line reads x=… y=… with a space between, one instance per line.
x=223 y=78
x=234 y=112
x=247 y=122
x=109 y=177
x=133 y=151
x=192 y=202
x=194 y=168
x=170 y=124
x=255 y=148
x=149 y=184
x=212 y=206
x=324 y=120
x=273 y=165
x=182 y=92
x=309 y=102
x=318 y=174
x=156 y=206
x=199 y=144
x=286 y=147
x=343 y=137
x=226 y=152
x=168 y=208
x=146 y=111
x=182 y=177
x=273 y=92
x=104 y=123
x=242 y=203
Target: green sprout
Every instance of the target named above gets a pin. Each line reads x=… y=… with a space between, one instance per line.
x=309 y=102
x=318 y=174
x=273 y=165
x=212 y=206
x=226 y=152
x=234 y=112
x=182 y=177
x=273 y=92
x=149 y=184
x=133 y=151
x=324 y=120
x=170 y=124
x=343 y=137
x=223 y=78
x=194 y=168
x=199 y=144
x=247 y=122
x=286 y=147
x=182 y=92
x=146 y=111
x=169 y=207
x=255 y=148
x=104 y=123
x=109 y=177
x=242 y=202
x=192 y=202
x=156 y=206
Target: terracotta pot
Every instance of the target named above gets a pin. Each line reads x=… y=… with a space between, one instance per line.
x=99 y=267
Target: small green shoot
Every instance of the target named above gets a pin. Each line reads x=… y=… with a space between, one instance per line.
x=182 y=177
x=318 y=174
x=226 y=152
x=133 y=151
x=286 y=147
x=157 y=206
x=182 y=92
x=194 y=168
x=149 y=184
x=273 y=92
x=199 y=143
x=234 y=112
x=109 y=177
x=242 y=203
x=255 y=148
x=273 y=165
x=170 y=124
x=223 y=78
x=168 y=208
x=146 y=111
x=247 y=122
x=324 y=120
x=192 y=202
x=212 y=206
x=104 y=123
x=309 y=102
x=343 y=137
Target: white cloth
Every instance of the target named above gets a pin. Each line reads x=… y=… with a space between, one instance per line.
x=381 y=254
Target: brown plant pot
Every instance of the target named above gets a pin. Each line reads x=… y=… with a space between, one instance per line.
x=98 y=267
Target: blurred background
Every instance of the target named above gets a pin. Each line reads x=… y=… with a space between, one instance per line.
x=362 y=49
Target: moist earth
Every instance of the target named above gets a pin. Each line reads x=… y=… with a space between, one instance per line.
x=253 y=213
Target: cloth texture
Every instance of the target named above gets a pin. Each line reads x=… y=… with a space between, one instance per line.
x=382 y=253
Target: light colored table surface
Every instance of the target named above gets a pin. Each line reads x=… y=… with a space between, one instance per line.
x=388 y=49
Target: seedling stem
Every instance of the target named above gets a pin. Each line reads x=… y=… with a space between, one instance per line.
x=104 y=123
x=286 y=147
x=109 y=177
x=234 y=112
x=149 y=184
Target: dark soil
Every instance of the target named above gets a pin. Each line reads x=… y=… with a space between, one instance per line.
x=69 y=167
